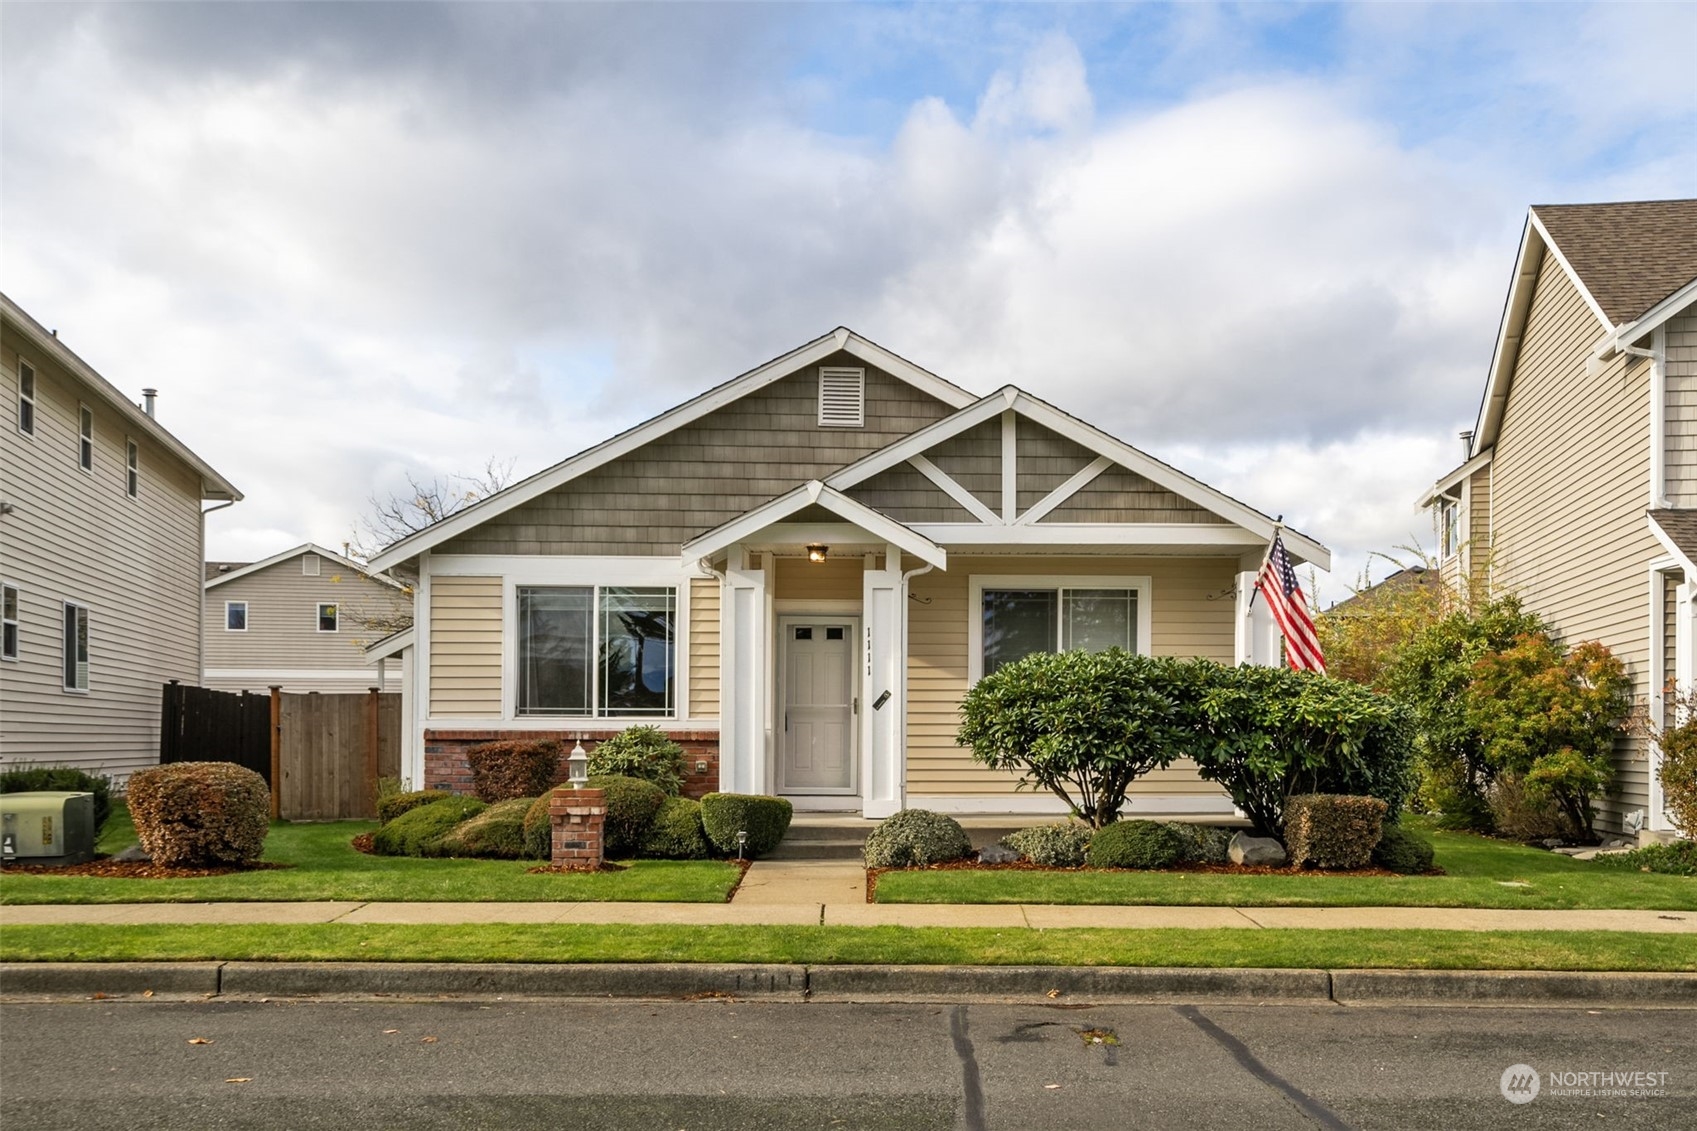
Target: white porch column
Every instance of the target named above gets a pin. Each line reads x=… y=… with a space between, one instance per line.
x=883 y=696
x=1684 y=679
x=412 y=750
x=744 y=633
x=1257 y=633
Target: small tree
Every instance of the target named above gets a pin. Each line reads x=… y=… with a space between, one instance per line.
x=1678 y=770
x=1082 y=725
x=1363 y=636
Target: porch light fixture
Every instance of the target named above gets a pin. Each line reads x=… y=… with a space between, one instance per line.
x=577 y=767
x=816 y=553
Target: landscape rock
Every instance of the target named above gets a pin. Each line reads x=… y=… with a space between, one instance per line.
x=1256 y=850
x=1552 y=842
x=134 y=854
x=997 y=854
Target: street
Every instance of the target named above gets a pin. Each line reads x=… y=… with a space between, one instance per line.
x=712 y=1065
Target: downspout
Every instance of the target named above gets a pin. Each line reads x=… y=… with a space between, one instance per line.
x=200 y=613
x=902 y=657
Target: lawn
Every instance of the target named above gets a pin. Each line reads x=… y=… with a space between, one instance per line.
x=1362 y=949
x=1480 y=873
x=323 y=865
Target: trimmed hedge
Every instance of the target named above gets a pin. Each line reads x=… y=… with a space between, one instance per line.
x=200 y=813
x=1332 y=830
x=63 y=779
x=765 y=819
x=514 y=767
x=421 y=831
x=641 y=752
x=1676 y=859
x=1052 y=846
x=496 y=832
x=677 y=833
x=632 y=805
x=388 y=808
x=1203 y=844
x=537 y=828
x=1403 y=850
x=915 y=838
x=1135 y=844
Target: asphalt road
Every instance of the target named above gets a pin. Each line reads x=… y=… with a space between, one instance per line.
x=707 y=1066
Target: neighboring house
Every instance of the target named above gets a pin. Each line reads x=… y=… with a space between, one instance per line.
x=800 y=573
x=101 y=540
x=1580 y=490
x=300 y=620
x=1402 y=581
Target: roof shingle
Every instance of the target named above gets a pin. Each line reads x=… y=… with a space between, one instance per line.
x=1630 y=255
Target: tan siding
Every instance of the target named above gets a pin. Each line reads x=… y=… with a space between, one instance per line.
x=656 y=498
x=1478 y=533
x=907 y=496
x=704 y=648
x=974 y=460
x=1189 y=618
x=1569 y=480
x=837 y=579
x=1681 y=423
x=465 y=647
x=77 y=535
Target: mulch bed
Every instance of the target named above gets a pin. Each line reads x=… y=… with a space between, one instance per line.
x=138 y=870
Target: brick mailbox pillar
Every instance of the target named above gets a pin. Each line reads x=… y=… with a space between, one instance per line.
x=578 y=817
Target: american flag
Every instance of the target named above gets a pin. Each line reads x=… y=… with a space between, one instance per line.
x=1290 y=609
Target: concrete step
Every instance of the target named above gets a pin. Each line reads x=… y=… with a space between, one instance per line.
x=818 y=848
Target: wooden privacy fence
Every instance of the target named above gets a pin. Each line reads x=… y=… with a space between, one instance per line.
x=321 y=754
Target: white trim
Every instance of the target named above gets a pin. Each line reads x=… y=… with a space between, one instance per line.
x=1039 y=804
x=839 y=373
x=1672 y=547
x=917 y=443
x=85 y=440
x=576 y=577
x=808 y=606
x=1454 y=478
x=303 y=548
x=16 y=621
x=950 y=487
x=882 y=527
x=547 y=569
x=1578 y=283
x=1184 y=534
x=132 y=467
x=318 y=616
x=277 y=675
x=1010 y=464
x=33 y=399
x=391 y=645
x=841 y=339
x=228 y=605
x=978 y=582
x=1659 y=645
x=1080 y=479
x=1653 y=319
x=87 y=665
x=567 y=724
x=1658 y=417
x=781 y=690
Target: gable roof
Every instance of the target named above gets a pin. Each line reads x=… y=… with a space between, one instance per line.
x=841 y=339
x=811 y=494
x=243 y=570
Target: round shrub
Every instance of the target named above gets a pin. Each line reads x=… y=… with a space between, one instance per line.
x=538 y=829
x=496 y=832
x=1052 y=846
x=200 y=813
x=631 y=807
x=914 y=838
x=641 y=752
x=388 y=808
x=1135 y=844
x=676 y=833
x=421 y=831
x=765 y=819
x=63 y=779
x=501 y=771
x=1203 y=844
x=1403 y=850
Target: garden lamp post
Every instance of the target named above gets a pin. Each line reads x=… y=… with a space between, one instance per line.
x=577 y=767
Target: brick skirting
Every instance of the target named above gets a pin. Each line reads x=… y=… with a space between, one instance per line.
x=445 y=765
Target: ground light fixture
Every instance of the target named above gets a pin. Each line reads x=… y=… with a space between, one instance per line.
x=816 y=553
x=577 y=767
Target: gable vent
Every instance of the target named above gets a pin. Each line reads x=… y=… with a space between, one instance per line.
x=309 y=565
x=842 y=397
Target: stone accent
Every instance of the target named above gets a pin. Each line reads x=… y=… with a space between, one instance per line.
x=445 y=765
x=1256 y=850
x=578 y=817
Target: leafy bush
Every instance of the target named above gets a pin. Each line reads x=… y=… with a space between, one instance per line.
x=915 y=838
x=496 y=832
x=62 y=779
x=1331 y=830
x=1052 y=846
x=765 y=819
x=1363 y=637
x=1203 y=844
x=513 y=767
x=388 y=808
x=1676 y=859
x=1517 y=816
x=632 y=805
x=1551 y=717
x=1135 y=844
x=1403 y=850
x=421 y=831
x=1082 y=725
x=1678 y=769
x=641 y=752
x=200 y=813
x=677 y=833
x=538 y=829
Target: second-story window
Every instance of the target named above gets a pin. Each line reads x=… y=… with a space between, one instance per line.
x=85 y=438
x=1449 y=527
x=132 y=468
x=8 y=622
x=26 y=398
x=235 y=616
x=326 y=618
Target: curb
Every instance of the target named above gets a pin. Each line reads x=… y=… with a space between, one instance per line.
x=83 y=979
x=513 y=979
x=1511 y=987
x=1106 y=983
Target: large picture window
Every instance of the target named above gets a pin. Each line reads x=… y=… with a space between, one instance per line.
x=1019 y=616
x=596 y=651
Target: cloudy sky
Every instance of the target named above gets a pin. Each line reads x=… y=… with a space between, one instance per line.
x=1266 y=243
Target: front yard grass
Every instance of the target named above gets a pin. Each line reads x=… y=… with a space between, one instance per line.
x=1480 y=873
x=821 y=945
x=323 y=865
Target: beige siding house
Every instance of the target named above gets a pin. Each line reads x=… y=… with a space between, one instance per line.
x=800 y=573
x=1579 y=492
x=101 y=535
x=299 y=620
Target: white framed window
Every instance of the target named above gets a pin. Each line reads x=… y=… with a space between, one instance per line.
x=85 y=437
x=1449 y=526
x=842 y=397
x=596 y=651
x=328 y=614
x=310 y=565
x=8 y=621
x=235 y=616
x=26 y=397
x=132 y=467
x=76 y=646
x=1012 y=617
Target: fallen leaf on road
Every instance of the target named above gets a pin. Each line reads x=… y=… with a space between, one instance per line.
x=238 y=1079
x=391 y=1030
x=428 y=1041
x=1055 y=993
x=147 y=993
x=98 y=997
x=200 y=1040
x=1051 y=1087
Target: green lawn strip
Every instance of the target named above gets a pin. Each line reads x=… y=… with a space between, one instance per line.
x=1480 y=873
x=324 y=865
x=1500 y=950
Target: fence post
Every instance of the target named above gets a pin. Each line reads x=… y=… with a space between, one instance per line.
x=276 y=751
x=371 y=741
x=170 y=722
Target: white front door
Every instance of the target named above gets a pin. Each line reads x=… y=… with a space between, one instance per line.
x=816 y=739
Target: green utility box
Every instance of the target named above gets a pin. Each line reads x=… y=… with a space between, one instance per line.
x=46 y=828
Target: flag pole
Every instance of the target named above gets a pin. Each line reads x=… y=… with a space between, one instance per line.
x=1278 y=525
